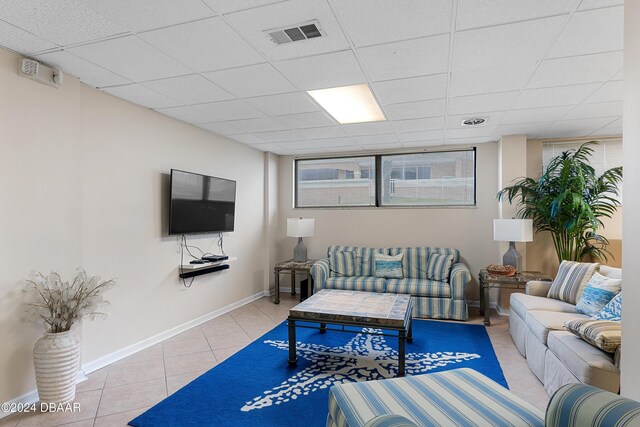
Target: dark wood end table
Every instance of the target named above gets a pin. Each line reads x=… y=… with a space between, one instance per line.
x=291 y=267
x=489 y=281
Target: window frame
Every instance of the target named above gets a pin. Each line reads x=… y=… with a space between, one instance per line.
x=379 y=185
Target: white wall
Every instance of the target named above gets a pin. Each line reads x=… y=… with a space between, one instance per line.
x=630 y=378
x=468 y=229
x=84 y=183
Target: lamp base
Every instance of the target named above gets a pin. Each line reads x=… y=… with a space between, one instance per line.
x=300 y=252
x=512 y=257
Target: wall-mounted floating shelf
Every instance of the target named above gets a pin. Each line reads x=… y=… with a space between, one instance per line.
x=193 y=270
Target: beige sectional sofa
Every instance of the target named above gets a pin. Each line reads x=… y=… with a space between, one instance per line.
x=556 y=356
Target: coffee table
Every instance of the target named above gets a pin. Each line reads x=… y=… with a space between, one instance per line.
x=389 y=312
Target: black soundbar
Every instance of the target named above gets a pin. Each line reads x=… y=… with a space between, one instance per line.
x=193 y=273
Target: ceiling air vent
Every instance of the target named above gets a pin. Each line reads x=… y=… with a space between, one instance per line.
x=474 y=121
x=308 y=30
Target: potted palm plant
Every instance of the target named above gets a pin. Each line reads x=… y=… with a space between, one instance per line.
x=60 y=305
x=569 y=201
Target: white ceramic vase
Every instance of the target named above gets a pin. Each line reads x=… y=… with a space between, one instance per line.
x=57 y=359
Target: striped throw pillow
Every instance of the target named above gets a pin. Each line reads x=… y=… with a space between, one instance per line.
x=604 y=334
x=342 y=263
x=571 y=280
x=389 y=267
x=597 y=294
x=439 y=266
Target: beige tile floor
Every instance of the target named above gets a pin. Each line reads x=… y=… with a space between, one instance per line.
x=115 y=394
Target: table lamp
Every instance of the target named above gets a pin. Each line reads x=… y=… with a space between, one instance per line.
x=512 y=231
x=299 y=227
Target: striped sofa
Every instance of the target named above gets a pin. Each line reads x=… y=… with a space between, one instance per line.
x=464 y=397
x=431 y=298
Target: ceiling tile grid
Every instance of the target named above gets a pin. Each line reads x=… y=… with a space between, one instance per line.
x=549 y=68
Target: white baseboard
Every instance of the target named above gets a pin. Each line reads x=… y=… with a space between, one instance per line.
x=501 y=311
x=101 y=362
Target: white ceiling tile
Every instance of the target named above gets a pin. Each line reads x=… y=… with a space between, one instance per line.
x=348 y=149
x=263 y=124
x=252 y=23
x=487 y=102
x=88 y=73
x=591 y=31
x=425 y=135
x=602 y=109
x=554 y=96
x=370 y=128
x=607 y=131
x=204 y=45
x=63 y=22
x=366 y=140
x=336 y=142
x=573 y=70
x=506 y=44
x=411 y=89
x=248 y=139
x=307 y=151
x=532 y=130
x=323 y=71
x=193 y=89
x=534 y=115
x=592 y=4
x=297 y=145
x=288 y=103
x=491 y=79
x=578 y=127
x=615 y=124
x=222 y=128
x=141 y=15
x=307 y=120
x=481 y=13
x=267 y=147
x=416 y=18
x=419 y=144
x=19 y=40
x=469 y=140
x=280 y=136
x=468 y=133
x=323 y=132
x=253 y=80
x=414 y=125
x=385 y=146
x=611 y=91
x=131 y=58
x=415 y=110
x=492 y=120
x=142 y=96
x=213 y=112
x=417 y=57
x=224 y=6
x=186 y=113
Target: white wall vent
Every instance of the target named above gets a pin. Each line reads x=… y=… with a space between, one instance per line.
x=308 y=30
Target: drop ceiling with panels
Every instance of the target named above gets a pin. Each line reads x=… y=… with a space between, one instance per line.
x=545 y=68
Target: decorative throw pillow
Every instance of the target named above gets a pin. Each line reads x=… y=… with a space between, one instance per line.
x=571 y=279
x=439 y=266
x=389 y=267
x=342 y=263
x=613 y=310
x=597 y=294
x=604 y=334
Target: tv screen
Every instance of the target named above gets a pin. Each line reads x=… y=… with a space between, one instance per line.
x=200 y=203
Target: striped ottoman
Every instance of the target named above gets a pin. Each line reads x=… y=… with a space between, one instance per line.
x=459 y=397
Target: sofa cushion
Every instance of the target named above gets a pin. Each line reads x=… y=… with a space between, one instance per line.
x=522 y=303
x=597 y=294
x=342 y=263
x=571 y=279
x=419 y=287
x=604 y=334
x=541 y=322
x=613 y=310
x=439 y=266
x=415 y=260
x=587 y=363
x=388 y=266
x=357 y=283
x=364 y=257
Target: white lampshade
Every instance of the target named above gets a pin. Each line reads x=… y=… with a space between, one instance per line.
x=299 y=227
x=513 y=230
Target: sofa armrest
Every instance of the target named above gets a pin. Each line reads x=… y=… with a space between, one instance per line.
x=390 y=420
x=459 y=277
x=581 y=404
x=538 y=288
x=320 y=272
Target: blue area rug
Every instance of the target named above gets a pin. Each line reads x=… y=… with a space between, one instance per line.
x=256 y=386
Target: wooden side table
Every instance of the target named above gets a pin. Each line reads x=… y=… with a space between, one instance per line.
x=518 y=281
x=291 y=267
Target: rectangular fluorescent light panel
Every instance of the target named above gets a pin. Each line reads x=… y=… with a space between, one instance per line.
x=349 y=104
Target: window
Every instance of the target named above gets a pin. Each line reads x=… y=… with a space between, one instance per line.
x=444 y=178
x=346 y=181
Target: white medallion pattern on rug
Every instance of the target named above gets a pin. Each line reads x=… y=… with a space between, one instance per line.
x=365 y=357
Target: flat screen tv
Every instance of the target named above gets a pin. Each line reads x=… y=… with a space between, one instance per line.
x=201 y=204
